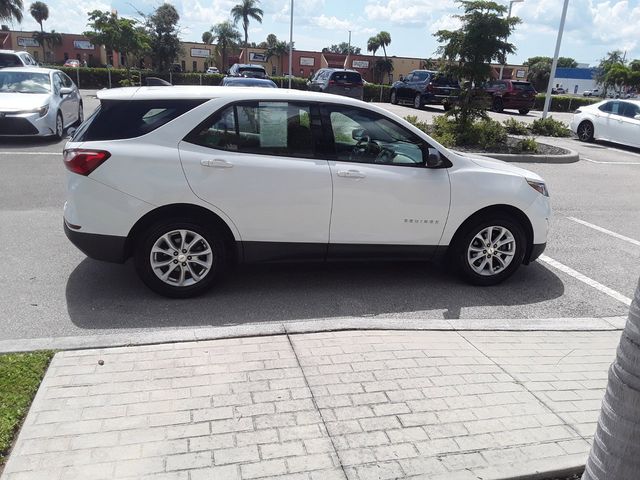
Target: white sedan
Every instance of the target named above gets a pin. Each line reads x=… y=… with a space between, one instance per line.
x=611 y=120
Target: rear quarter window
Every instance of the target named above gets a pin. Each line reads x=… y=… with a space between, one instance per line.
x=120 y=119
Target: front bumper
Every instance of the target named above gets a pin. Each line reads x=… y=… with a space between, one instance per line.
x=108 y=248
x=27 y=124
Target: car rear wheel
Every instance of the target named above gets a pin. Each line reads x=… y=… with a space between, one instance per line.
x=585 y=131
x=490 y=250
x=394 y=97
x=446 y=106
x=59 y=127
x=417 y=101
x=497 y=105
x=523 y=111
x=180 y=258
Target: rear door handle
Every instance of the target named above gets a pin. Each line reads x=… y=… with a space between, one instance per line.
x=351 y=174
x=216 y=163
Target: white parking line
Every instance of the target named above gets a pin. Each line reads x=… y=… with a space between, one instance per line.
x=30 y=153
x=584 y=279
x=608 y=163
x=604 y=230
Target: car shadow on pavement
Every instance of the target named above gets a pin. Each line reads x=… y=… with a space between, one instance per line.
x=107 y=296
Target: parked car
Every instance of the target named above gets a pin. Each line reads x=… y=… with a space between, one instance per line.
x=426 y=87
x=591 y=93
x=37 y=101
x=72 y=62
x=211 y=70
x=510 y=95
x=247 y=70
x=248 y=82
x=611 y=120
x=12 y=58
x=338 y=81
x=177 y=68
x=558 y=91
x=187 y=180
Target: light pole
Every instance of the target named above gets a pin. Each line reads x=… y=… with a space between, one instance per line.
x=508 y=17
x=291 y=46
x=552 y=75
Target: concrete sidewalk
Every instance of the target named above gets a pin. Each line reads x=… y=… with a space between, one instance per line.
x=353 y=405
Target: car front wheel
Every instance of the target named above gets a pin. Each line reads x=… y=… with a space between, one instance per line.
x=523 y=111
x=180 y=259
x=490 y=250
x=394 y=97
x=417 y=101
x=497 y=105
x=59 y=127
x=80 y=114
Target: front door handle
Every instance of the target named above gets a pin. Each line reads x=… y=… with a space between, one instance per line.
x=351 y=174
x=216 y=163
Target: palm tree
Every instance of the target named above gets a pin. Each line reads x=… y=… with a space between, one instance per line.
x=616 y=446
x=277 y=49
x=11 y=10
x=207 y=37
x=245 y=11
x=381 y=40
x=51 y=40
x=40 y=12
x=373 y=44
x=227 y=37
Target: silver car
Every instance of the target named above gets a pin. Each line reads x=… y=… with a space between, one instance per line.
x=37 y=102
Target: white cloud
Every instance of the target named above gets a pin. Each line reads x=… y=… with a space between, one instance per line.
x=406 y=12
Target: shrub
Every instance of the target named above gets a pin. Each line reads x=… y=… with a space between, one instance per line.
x=549 y=127
x=514 y=127
x=528 y=145
x=563 y=103
x=377 y=93
x=419 y=124
x=486 y=134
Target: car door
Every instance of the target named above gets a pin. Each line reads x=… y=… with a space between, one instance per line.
x=73 y=97
x=257 y=162
x=404 y=90
x=630 y=124
x=64 y=102
x=608 y=121
x=382 y=192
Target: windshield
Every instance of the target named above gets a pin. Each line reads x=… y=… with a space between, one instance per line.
x=252 y=72
x=24 y=82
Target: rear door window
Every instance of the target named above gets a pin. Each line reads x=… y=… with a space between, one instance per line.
x=119 y=119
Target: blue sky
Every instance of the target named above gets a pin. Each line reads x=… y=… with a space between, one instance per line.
x=593 y=26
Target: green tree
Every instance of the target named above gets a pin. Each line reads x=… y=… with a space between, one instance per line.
x=635 y=66
x=343 y=48
x=471 y=49
x=207 y=37
x=40 y=12
x=124 y=35
x=11 y=10
x=540 y=70
x=276 y=48
x=245 y=11
x=227 y=38
x=164 y=43
x=49 y=40
x=614 y=57
x=618 y=76
x=381 y=40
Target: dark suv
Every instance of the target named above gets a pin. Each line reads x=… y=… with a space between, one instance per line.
x=510 y=94
x=339 y=82
x=426 y=87
x=246 y=70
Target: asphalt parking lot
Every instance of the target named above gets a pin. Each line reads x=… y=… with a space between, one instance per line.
x=49 y=289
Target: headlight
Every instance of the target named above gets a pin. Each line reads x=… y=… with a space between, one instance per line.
x=539 y=187
x=41 y=111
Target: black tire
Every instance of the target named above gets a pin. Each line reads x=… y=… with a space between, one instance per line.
x=80 y=115
x=446 y=106
x=59 y=132
x=523 y=111
x=497 y=105
x=417 y=101
x=394 y=97
x=585 y=131
x=459 y=253
x=212 y=237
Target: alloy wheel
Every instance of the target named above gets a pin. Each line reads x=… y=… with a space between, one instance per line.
x=181 y=258
x=585 y=131
x=59 y=126
x=417 y=102
x=491 y=250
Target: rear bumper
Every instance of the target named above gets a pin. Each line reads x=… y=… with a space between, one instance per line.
x=431 y=99
x=108 y=248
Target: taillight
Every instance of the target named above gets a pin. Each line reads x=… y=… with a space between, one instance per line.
x=83 y=162
x=332 y=82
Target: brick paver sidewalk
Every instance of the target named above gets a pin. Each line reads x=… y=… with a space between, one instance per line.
x=344 y=405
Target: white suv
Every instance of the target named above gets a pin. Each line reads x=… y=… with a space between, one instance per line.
x=188 y=179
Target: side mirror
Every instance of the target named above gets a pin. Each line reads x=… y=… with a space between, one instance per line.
x=65 y=91
x=358 y=133
x=434 y=159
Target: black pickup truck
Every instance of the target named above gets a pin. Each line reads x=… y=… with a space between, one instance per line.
x=426 y=87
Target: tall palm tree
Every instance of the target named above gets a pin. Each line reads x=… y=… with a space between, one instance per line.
x=40 y=12
x=381 y=40
x=11 y=10
x=245 y=11
x=373 y=44
x=207 y=37
x=616 y=446
x=226 y=37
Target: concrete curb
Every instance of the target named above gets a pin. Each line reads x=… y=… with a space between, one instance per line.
x=571 y=157
x=310 y=326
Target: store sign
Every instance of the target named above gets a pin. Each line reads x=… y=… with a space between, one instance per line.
x=257 y=57
x=360 y=64
x=83 y=45
x=200 y=52
x=307 y=61
x=520 y=73
x=28 y=42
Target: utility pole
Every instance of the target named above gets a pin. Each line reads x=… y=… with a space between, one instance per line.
x=291 y=46
x=508 y=17
x=552 y=75
x=348 y=52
